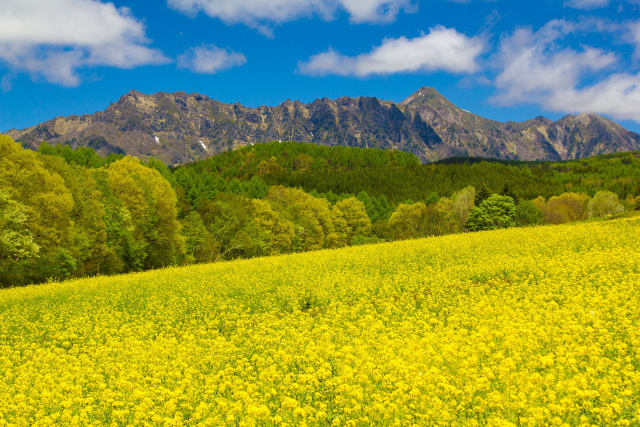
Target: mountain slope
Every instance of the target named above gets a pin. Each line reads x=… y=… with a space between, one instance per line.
x=179 y=128
x=571 y=137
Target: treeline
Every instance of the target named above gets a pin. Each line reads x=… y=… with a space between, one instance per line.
x=70 y=213
x=400 y=177
x=61 y=220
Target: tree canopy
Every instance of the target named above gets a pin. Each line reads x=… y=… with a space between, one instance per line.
x=68 y=212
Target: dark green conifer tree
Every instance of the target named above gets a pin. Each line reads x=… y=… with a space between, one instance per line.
x=482 y=195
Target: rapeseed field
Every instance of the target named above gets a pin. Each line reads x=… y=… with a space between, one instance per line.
x=537 y=326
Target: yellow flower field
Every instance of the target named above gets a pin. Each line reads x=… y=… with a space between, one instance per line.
x=536 y=326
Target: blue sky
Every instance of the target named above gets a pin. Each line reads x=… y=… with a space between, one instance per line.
x=502 y=59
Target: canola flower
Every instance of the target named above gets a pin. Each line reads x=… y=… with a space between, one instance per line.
x=519 y=327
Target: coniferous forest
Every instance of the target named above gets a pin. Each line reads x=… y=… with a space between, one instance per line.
x=70 y=213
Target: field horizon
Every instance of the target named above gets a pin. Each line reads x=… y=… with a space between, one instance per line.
x=508 y=327
x=625 y=216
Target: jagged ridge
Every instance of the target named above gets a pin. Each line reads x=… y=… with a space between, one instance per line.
x=180 y=127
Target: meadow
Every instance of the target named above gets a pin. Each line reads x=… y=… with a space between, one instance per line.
x=529 y=326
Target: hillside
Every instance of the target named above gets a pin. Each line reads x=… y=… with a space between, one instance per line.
x=511 y=327
x=180 y=128
x=399 y=176
x=70 y=213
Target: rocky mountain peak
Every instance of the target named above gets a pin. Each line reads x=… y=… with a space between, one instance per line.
x=426 y=95
x=131 y=95
x=180 y=127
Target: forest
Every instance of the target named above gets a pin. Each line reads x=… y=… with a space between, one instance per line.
x=71 y=213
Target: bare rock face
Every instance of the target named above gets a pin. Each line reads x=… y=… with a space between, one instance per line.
x=180 y=127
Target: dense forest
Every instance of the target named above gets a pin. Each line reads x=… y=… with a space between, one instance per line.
x=71 y=213
x=400 y=177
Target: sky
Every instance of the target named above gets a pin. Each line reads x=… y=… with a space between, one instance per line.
x=501 y=59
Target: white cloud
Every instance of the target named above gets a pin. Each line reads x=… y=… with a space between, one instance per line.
x=442 y=49
x=263 y=13
x=209 y=59
x=533 y=67
x=586 y=4
x=375 y=10
x=617 y=95
x=536 y=70
x=53 y=38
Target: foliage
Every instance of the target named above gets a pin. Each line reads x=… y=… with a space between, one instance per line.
x=200 y=245
x=604 y=203
x=16 y=241
x=482 y=195
x=311 y=216
x=514 y=327
x=151 y=201
x=399 y=176
x=228 y=218
x=90 y=215
x=277 y=157
x=527 y=213
x=441 y=218
x=506 y=191
x=279 y=232
x=80 y=156
x=47 y=201
x=567 y=207
x=357 y=222
x=463 y=203
x=402 y=180
x=495 y=212
x=88 y=245
x=407 y=221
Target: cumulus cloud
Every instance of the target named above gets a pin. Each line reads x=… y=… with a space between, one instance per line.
x=586 y=4
x=375 y=10
x=441 y=49
x=263 y=13
x=209 y=59
x=52 y=39
x=534 y=68
x=617 y=95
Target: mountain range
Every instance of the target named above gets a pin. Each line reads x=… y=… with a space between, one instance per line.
x=179 y=128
